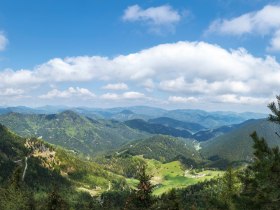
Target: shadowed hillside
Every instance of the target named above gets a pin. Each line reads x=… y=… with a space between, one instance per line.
x=237 y=145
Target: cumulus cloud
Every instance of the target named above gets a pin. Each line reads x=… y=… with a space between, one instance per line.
x=205 y=87
x=3 y=41
x=154 y=17
x=126 y=95
x=189 y=68
x=69 y=93
x=231 y=98
x=264 y=22
x=11 y=92
x=179 y=99
x=115 y=86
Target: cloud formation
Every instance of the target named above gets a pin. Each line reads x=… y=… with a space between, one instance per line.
x=180 y=99
x=263 y=22
x=3 y=41
x=115 y=86
x=156 y=18
x=187 y=69
x=127 y=95
x=11 y=92
x=69 y=93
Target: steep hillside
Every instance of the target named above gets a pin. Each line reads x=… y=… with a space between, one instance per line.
x=237 y=144
x=208 y=134
x=160 y=147
x=40 y=166
x=153 y=128
x=72 y=131
x=169 y=122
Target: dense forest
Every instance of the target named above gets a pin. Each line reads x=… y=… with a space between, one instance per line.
x=37 y=175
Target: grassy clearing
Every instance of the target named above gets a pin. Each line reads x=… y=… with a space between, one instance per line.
x=173 y=175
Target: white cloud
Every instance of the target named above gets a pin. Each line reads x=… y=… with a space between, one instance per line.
x=203 y=86
x=186 y=67
x=126 y=95
x=179 y=99
x=133 y=95
x=275 y=42
x=263 y=22
x=69 y=93
x=3 y=41
x=231 y=98
x=11 y=92
x=110 y=96
x=116 y=86
x=155 y=17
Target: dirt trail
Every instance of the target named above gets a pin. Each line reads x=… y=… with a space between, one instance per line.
x=25 y=168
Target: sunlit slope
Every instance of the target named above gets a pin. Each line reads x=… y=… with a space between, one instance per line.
x=72 y=130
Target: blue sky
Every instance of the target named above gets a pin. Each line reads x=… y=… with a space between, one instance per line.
x=208 y=54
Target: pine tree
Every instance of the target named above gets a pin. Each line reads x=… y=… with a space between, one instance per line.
x=230 y=187
x=144 y=192
x=55 y=201
x=142 y=197
x=275 y=109
x=261 y=179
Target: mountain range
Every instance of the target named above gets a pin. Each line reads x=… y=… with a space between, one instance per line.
x=71 y=130
x=90 y=135
x=205 y=119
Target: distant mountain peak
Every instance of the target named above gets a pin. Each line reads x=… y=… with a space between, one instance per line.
x=69 y=113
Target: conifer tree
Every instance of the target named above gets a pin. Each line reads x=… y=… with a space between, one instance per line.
x=141 y=198
x=144 y=192
x=55 y=201
x=275 y=109
x=230 y=187
x=261 y=179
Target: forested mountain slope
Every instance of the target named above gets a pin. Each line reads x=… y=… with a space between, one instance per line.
x=153 y=128
x=237 y=144
x=29 y=166
x=166 y=121
x=72 y=131
x=163 y=148
x=211 y=119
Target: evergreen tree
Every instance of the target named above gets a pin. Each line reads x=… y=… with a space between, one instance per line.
x=230 y=185
x=169 y=201
x=275 y=109
x=55 y=201
x=141 y=198
x=144 y=189
x=263 y=177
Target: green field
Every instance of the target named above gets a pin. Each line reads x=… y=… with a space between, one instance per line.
x=173 y=175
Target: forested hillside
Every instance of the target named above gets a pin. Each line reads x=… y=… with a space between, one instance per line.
x=163 y=148
x=237 y=144
x=153 y=128
x=32 y=171
x=72 y=131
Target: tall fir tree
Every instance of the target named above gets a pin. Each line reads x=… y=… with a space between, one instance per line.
x=261 y=180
